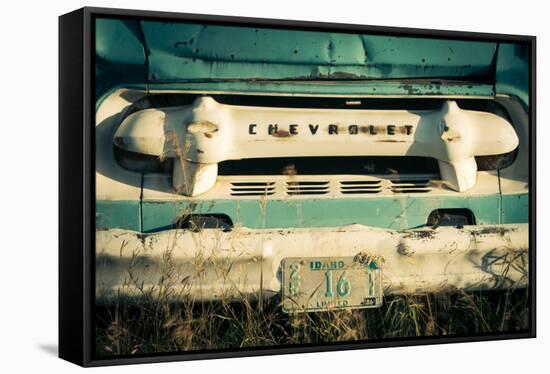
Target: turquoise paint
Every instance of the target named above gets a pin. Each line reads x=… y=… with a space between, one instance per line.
x=202 y=57
x=512 y=73
x=120 y=55
x=182 y=51
x=118 y=214
x=334 y=88
x=119 y=42
x=515 y=208
x=387 y=212
x=219 y=58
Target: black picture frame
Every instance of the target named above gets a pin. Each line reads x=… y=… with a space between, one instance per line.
x=77 y=191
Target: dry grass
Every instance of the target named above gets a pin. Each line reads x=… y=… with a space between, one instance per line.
x=151 y=322
x=148 y=324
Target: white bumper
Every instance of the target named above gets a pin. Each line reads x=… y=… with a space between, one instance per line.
x=212 y=264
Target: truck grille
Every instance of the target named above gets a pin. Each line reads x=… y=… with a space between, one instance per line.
x=410 y=186
x=307 y=187
x=280 y=186
x=360 y=187
x=252 y=188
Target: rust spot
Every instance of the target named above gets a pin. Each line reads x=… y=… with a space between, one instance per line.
x=452 y=139
x=366 y=259
x=345 y=75
x=281 y=134
x=390 y=141
x=411 y=90
x=419 y=234
x=200 y=151
x=333 y=75
x=404 y=249
x=493 y=230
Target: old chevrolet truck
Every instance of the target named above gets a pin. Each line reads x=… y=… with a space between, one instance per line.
x=328 y=168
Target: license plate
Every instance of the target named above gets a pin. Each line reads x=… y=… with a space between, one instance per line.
x=328 y=283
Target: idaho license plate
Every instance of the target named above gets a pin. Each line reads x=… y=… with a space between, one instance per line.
x=328 y=283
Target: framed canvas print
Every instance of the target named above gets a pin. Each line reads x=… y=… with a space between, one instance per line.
x=235 y=186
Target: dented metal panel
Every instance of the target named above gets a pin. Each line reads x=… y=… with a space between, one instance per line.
x=218 y=58
x=212 y=264
x=183 y=52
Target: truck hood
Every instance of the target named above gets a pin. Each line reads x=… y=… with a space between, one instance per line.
x=163 y=53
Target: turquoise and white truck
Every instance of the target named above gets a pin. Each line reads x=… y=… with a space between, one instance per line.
x=325 y=168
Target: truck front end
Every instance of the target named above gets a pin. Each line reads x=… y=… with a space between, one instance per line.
x=326 y=169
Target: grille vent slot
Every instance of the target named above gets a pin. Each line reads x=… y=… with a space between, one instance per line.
x=344 y=186
x=307 y=187
x=252 y=188
x=410 y=186
x=360 y=187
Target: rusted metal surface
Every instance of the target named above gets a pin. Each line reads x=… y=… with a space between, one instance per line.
x=223 y=58
x=211 y=263
x=235 y=59
x=296 y=216
x=344 y=89
x=179 y=51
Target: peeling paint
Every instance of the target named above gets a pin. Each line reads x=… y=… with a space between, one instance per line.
x=492 y=230
x=281 y=134
x=420 y=234
x=368 y=259
x=192 y=51
x=409 y=265
x=404 y=249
